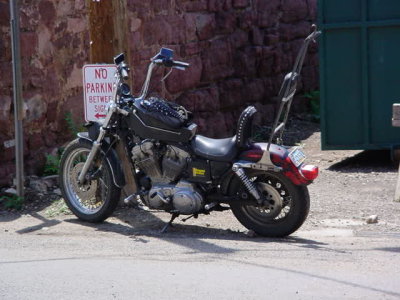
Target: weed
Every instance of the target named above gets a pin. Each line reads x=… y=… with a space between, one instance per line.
x=314 y=97
x=70 y=123
x=57 y=208
x=72 y=126
x=12 y=202
x=52 y=164
x=261 y=133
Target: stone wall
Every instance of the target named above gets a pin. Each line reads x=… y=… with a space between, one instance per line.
x=54 y=43
x=239 y=51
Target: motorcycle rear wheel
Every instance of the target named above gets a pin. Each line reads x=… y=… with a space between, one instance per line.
x=95 y=200
x=291 y=204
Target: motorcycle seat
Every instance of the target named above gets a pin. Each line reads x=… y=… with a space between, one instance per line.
x=215 y=149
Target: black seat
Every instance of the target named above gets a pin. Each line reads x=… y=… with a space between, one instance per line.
x=215 y=149
x=226 y=149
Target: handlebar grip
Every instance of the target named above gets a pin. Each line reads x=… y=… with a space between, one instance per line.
x=169 y=63
x=180 y=65
x=124 y=73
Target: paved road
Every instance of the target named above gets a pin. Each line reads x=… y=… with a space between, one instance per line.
x=64 y=259
x=334 y=255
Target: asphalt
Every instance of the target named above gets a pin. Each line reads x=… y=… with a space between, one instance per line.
x=67 y=259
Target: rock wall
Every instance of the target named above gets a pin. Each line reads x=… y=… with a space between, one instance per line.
x=239 y=51
x=54 y=43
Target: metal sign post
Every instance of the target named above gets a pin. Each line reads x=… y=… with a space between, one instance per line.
x=18 y=105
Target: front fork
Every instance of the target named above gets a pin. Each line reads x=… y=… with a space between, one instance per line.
x=113 y=108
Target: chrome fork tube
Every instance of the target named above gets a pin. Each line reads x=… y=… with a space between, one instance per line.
x=97 y=143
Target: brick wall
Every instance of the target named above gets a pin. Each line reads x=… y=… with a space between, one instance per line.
x=239 y=51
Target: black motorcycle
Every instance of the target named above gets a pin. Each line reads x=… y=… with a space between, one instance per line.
x=149 y=147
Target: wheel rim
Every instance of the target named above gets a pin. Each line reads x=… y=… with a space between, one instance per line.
x=89 y=198
x=278 y=196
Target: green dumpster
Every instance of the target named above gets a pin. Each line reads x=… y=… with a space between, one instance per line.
x=359 y=73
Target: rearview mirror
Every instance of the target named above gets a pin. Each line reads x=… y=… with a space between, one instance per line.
x=119 y=58
x=165 y=53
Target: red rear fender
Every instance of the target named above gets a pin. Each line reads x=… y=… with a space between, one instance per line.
x=305 y=174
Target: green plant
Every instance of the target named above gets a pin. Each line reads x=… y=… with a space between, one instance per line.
x=73 y=128
x=314 y=97
x=52 y=165
x=12 y=202
x=261 y=133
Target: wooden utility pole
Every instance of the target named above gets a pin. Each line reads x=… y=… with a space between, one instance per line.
x=108 y=31
x=101 y=30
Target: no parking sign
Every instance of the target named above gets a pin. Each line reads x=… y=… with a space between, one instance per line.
x=98 y=85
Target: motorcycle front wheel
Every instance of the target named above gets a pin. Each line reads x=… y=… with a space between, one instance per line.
x=97 y=198
x=288 y=208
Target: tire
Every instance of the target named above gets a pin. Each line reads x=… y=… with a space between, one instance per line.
x=96 y=200
x=288 y=213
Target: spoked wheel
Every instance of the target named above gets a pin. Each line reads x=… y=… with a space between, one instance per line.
x=285 y=210
x=96 y=199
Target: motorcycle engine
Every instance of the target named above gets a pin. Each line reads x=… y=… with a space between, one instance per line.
x=181 y=197
x=164 y=165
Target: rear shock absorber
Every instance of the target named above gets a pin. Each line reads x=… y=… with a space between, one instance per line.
x=247 y=182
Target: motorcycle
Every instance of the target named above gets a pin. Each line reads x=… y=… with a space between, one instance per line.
x=150 y=146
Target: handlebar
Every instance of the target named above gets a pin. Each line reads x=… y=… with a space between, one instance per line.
x=314 y=34
x=169 y=63
x=180 y=65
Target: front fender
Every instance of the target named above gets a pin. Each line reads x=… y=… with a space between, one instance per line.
x=111 y=159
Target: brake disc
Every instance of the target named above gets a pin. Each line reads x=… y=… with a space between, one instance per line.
x=87 y=191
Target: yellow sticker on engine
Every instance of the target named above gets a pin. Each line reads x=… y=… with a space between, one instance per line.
x=198 y=172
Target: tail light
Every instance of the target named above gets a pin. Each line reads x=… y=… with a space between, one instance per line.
x=309 y=172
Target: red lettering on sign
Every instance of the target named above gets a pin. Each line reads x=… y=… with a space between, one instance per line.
x=100 y=73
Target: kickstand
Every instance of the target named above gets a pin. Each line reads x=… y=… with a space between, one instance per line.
x=185 y=219
x=173 y=217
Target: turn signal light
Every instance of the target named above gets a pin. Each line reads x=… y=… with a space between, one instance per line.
x=309 y=172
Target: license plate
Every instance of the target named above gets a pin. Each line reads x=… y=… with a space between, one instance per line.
x=297 y=156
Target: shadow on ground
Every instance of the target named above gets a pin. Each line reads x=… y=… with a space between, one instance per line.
x=143 y=226
x=366 y=162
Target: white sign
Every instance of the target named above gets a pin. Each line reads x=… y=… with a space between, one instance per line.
x=9 y=144
x=98 y=84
